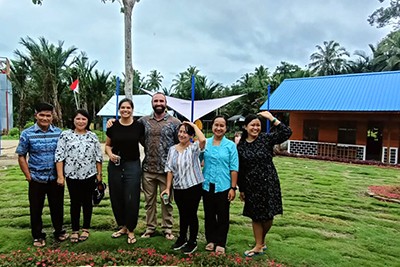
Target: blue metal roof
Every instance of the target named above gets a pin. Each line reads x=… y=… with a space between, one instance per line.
x=365 y=92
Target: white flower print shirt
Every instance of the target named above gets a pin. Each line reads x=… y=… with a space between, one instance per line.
x=79 y=152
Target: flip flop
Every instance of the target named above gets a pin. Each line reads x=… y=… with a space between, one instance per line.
x=118 y=234
x=169 y=236
x=210 y=246
x=39 y=243
x=74 y=237
x=131 y=240
x=252 y=253
x=148 y=234
x=219 y=250
x=62 y=237
x=84 y=236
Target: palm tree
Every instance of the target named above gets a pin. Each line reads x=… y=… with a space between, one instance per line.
x=154 y=81
x=99 y=91
x=363 y=62
x=329 y=59
x=20 y=75
x=181 y=85
x=138 y=83
x=126 y=8
x=49 y=63
x=387 y=55
x=82 y=69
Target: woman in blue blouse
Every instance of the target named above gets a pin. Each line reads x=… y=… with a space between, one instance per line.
x=79 y=160
x=220 y=176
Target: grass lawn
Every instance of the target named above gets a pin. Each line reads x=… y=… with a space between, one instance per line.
x=328 y=219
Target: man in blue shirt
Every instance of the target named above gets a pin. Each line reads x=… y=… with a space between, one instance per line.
x=40 y=142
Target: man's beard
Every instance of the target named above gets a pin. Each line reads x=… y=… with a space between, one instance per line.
x=159 y=109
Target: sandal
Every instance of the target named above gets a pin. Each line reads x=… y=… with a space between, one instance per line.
x=220 y=250
x=131 y=239
x=62 y=237
x=264 y=247
x=210 y=246
x=169 y=236
x=74 y=237
x=39 y=242
x=253 y=253
x=119 y=233
x=85 y=235
x=148 y=234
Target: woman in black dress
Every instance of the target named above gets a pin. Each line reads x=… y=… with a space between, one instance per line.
x=258 y=180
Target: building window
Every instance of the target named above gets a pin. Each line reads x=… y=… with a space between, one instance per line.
x=347 y=133
x=310 y=130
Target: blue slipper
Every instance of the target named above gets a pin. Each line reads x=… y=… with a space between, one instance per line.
x=252 y=253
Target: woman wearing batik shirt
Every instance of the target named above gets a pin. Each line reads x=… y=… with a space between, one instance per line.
x=184 y=173
x=79 y=161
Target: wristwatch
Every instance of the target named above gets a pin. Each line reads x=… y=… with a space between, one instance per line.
x=234 y=188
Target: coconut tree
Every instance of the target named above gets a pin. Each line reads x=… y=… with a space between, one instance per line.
x=364 y=62
x=126 y=9
x=329 y=59
x=181 y=85
x=82 y=69
x=48 y=66
x=154 y=80
x=20 y=76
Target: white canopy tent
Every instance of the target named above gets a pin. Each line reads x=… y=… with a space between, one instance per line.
x=143 y=106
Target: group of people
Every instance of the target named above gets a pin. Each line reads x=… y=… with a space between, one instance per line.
x=179 y=161
x=73 y=157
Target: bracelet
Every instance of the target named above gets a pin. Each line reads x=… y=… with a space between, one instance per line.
x=99 y=173
x=234 y=188
x=274 y=120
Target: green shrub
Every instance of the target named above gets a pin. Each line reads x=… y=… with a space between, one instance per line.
x=100 y=134
x=29 y=124
x=13 y=132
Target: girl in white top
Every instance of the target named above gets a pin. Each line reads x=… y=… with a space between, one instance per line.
x=184 y=173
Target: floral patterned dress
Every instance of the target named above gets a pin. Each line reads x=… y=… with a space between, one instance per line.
x=258 y=178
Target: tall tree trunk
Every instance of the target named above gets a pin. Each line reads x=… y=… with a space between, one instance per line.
x=128 y=7
x=21 y=119
x=57 y=107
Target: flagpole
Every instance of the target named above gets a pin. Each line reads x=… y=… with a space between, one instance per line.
x=192 y=113
x=269 y=92
x=76 y=101
x=116 y=96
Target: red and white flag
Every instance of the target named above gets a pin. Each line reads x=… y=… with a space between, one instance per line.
x=75 y=86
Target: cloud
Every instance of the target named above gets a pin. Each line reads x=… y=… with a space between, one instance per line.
x=224 y=39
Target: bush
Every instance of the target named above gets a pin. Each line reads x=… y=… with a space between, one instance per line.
x=100 y=134
x=29 y=124
x=13 y=132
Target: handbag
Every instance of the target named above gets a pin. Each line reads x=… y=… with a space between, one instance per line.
x=99 y=192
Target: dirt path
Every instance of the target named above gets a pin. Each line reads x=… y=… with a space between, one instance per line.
x=9 y=158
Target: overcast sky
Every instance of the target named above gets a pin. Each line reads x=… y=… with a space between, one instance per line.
x=224 y=39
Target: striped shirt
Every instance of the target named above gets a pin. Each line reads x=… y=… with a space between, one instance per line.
x=185 y=166
x=41 y=147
